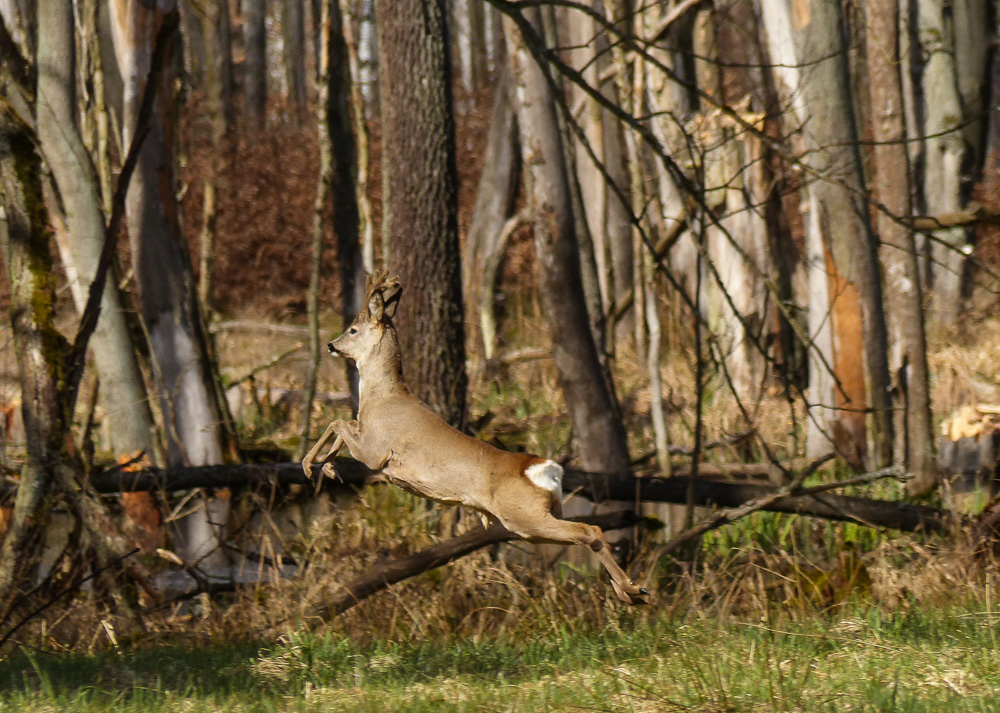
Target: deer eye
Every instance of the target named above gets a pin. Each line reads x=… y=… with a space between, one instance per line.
x=352 y=330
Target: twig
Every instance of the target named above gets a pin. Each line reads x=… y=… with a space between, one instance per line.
x=727 y=516
x=277 y=358
x=71 y=588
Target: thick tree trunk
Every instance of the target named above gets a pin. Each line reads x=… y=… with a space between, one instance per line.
x=40 y=348
x=844 y=282
x=42 y=355
x=899 y=247
x=193 y=418
x=293 y=35
x=420 y=199
x=255 y=66
x=586 y=386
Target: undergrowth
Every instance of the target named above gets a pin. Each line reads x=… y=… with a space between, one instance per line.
x=862 y=659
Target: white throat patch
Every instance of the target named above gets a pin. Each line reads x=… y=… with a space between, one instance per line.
x=547 y=475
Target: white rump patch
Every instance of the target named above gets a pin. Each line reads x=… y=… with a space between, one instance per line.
x=547 y=475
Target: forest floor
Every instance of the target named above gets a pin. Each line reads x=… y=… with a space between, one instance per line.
x=933 y=659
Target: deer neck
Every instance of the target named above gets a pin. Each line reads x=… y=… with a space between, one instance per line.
x=380 y=374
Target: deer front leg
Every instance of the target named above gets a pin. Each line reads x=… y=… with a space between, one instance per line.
x=307 y=462
x=353 y=436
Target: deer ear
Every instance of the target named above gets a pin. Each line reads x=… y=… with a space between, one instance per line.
x=376 y=306
x=392 y=301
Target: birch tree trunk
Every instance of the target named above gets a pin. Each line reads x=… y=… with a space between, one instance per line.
x=123 y=391
x=899 y=247
x=192 y=416
x=944 y=155
x=586 y=386
x=420 y=199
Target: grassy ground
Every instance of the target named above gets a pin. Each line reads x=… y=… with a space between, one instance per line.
x=921 y=660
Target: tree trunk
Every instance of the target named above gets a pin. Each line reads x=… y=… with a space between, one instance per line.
x=991 y=151
x=944 y=155
x=39 y=346
x=184 y=370
x=255 y=66
x=478 y=69
x=899 y=248
x=494 y=204
x=294 y=47
x=844 y=283
x=219 y=108
x=123 y=391
x=343 y=186
x=587 y=388
x=420 y=199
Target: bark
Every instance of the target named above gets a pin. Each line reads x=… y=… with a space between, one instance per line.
x=592 y=485
x=944 y=155
x=341 y=123
x=478 y=70
x=194 y=41
x=294 y=49
x=219 y=108
x=420 y=199
x=44 y=360
x=183 y=367
x=124 y=392
x=41 y=350
x=338 y=167
x=586 y=385
x=255 y=66
x=991 y=150
x=495 y=196
x=846 y=315
x=899 y=248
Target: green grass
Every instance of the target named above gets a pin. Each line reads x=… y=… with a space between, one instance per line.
x=870 y=661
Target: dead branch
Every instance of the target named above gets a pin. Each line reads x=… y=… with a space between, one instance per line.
x=388 y=572
x=718 y=519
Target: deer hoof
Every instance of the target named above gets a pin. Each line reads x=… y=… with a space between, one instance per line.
x=630 y=593
x=329 y=471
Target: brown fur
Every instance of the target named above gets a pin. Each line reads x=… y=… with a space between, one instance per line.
x=415 y=449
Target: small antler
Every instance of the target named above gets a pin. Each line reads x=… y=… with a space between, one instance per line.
x=381 y=282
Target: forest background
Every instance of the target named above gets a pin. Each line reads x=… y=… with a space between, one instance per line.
x=690 y=249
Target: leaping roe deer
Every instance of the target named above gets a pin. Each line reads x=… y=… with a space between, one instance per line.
x=399 y=436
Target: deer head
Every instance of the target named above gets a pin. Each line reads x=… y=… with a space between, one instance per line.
x=374 y=323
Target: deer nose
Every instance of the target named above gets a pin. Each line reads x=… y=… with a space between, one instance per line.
x=333 y=349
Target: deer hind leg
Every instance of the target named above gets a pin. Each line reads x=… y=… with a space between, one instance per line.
x=555 y=530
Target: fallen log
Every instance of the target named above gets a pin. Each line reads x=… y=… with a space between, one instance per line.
x=594 y=486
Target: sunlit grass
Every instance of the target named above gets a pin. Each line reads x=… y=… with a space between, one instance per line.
x=915 y=660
